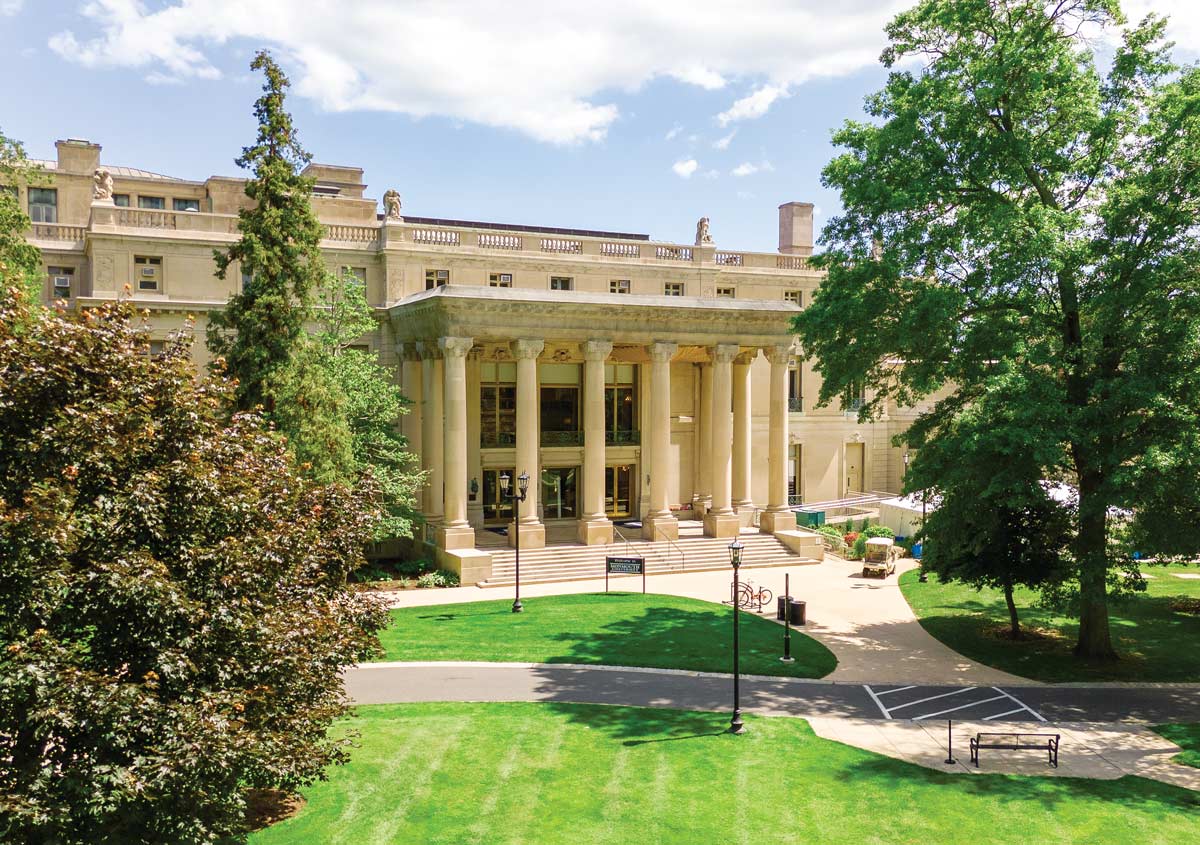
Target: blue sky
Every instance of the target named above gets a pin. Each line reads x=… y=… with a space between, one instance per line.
x=624 y=115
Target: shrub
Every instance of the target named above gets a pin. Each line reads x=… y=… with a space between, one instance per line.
x=879 y=531
x=850 y=538
x=449 y=579
x=860 y=547
x=429 y=580
x=829 y=531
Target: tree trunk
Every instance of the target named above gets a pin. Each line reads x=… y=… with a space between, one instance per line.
x=1095 y=638
x=1014 y=622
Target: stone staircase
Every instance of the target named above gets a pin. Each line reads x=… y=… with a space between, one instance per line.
x=692 y=552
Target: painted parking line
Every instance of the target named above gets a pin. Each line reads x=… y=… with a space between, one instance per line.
x=878 y=703
x=931 y=698
x=1022 y=705
x=994 y=704
x=897 y=689
x=959 y=707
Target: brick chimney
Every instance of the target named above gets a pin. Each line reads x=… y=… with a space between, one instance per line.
x=77 y=156
x=796 y=228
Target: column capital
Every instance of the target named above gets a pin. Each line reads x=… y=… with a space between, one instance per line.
x=746 y=358
x=428 y=349
x=780 y=354
x=724 y=353
x=662 y=351
x=596 y=350
x=527 y=347
x=456 y=347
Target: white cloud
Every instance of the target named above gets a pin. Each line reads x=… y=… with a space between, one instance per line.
x=1183 y=24
x=10 y=7
x=685 y=168
x=712 y=174
x=723 y=142
x=747 y=168
x=752 y=105
x=673 y=131
x=553 y=77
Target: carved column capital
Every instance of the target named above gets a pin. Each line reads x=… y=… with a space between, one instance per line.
x=456 y=347
x=428 y=349
x=527 y=348
x=724 y=353
x=781 y=354
x=747 y=357
x=596 y=350
x=662 y=351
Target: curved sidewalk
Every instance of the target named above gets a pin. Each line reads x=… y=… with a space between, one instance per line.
x=865 y=622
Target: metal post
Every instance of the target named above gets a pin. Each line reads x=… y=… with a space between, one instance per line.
x=950 y=761
x=517 y=608
x=923 y=577
x=787 y=619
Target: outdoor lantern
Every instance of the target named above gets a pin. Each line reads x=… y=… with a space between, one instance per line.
x=504 y=481
x=906 y=459
x=735 y=553
x=523 y=484
x=474 y=486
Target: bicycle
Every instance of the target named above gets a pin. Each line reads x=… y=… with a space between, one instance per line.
x=751 y=596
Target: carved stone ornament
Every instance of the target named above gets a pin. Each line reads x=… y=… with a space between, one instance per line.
x=391 y=204
x=562 y=356
x=102 y=185
x=702 y=235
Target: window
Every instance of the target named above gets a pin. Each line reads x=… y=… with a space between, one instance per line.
x=618 y=286
x=185 y=205
x=500 y=280
x=60 y=281
x=357 y=273
x=795 y=296
x=121 y=200
x=436 y=278
x=795 y=390
x=247 y=279
x=148 y=271
x=152 y=202
x=497 y=404
x=620 y=405
x=43 y=205
x=156 y=348
x=854 y=399
x=561 y=283
x=726 y=293
x=674 y=289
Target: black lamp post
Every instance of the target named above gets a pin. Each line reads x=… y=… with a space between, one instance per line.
x=735 y=558
x=516 y=497
x=923 y=577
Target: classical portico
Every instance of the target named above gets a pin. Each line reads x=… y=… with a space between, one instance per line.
x=621 y=408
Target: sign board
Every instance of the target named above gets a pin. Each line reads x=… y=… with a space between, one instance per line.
x=625 y=566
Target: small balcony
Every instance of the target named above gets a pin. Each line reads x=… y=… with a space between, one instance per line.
x=795 y=404
x=562 y=438
x=622 y=438
x=498 y=440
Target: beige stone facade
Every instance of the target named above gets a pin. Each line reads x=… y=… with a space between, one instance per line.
x=632 y=379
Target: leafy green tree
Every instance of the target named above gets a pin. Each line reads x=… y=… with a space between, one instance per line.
x=372 y=403
x=259 y=339
x=173 y=602
x=18 y=255
x=1037 y=218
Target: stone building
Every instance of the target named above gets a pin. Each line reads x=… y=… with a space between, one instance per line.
x=632 y=379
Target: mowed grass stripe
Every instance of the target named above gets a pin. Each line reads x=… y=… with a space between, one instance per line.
x=486 y=811
x=616 y=629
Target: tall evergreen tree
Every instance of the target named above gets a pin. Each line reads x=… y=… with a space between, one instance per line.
x=259 y=339
x=1040 y=248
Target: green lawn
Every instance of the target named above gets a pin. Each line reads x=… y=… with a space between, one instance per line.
x=621 y=629
x=556 y=774
x=1155 y=640
x=1187 y=737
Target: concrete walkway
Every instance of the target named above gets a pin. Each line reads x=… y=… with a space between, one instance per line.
x=865 y=622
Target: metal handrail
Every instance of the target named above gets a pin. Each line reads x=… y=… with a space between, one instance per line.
x=682 y=559
x=628 y=545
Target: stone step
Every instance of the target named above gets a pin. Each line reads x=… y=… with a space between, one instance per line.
x=592 y=574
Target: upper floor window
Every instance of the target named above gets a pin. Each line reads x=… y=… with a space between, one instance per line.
x=726 y=293
x=795 y=390
x=60 y=281
x=436 y=278
x=149 y=272
x=561 y=283
x=793 y=296
x=854 y=399
x=185 y=205
x=674 y=288
x=156 y=348
x=247 y=279
x=43 y=205
x=359 y=274
x=152 y=202
x=121 y=200
x=500 y=280
x=618 y=286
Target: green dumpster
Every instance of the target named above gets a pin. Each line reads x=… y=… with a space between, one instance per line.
x=810 y=519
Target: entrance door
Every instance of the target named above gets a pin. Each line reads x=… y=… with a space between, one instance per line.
x=794 y=469
x=618 y=494
x=496 y=511
x=558 y=492
x=854 y=468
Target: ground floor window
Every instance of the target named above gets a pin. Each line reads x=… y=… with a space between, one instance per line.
x=794 y=468
x=618 y=491
x=559 y=491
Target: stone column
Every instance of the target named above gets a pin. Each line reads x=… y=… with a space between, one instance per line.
x=743 y=499
x=410 y=373
x=474 y=456
x=595 y=527
x=432 y=434
x=533 y=533
x=778 y=516
x=703 y=497
x=456 y=532
x=659 y=521
x=721 y=521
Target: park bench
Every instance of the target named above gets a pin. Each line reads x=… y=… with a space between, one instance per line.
x=1016 y=742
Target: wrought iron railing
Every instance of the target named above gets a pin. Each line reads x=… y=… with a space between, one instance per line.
x=562 y=438
x=794 y=500
x=795 y=404
x=498 y=440
x=622 y=438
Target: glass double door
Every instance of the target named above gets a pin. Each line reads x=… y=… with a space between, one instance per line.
x=559 y=491
x=497 y=510
x=618 y=491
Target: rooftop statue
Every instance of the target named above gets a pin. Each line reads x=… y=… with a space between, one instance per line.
x=391 y=204
x=702 y=235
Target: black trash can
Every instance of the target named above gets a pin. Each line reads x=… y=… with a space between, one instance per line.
x=797 y=612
